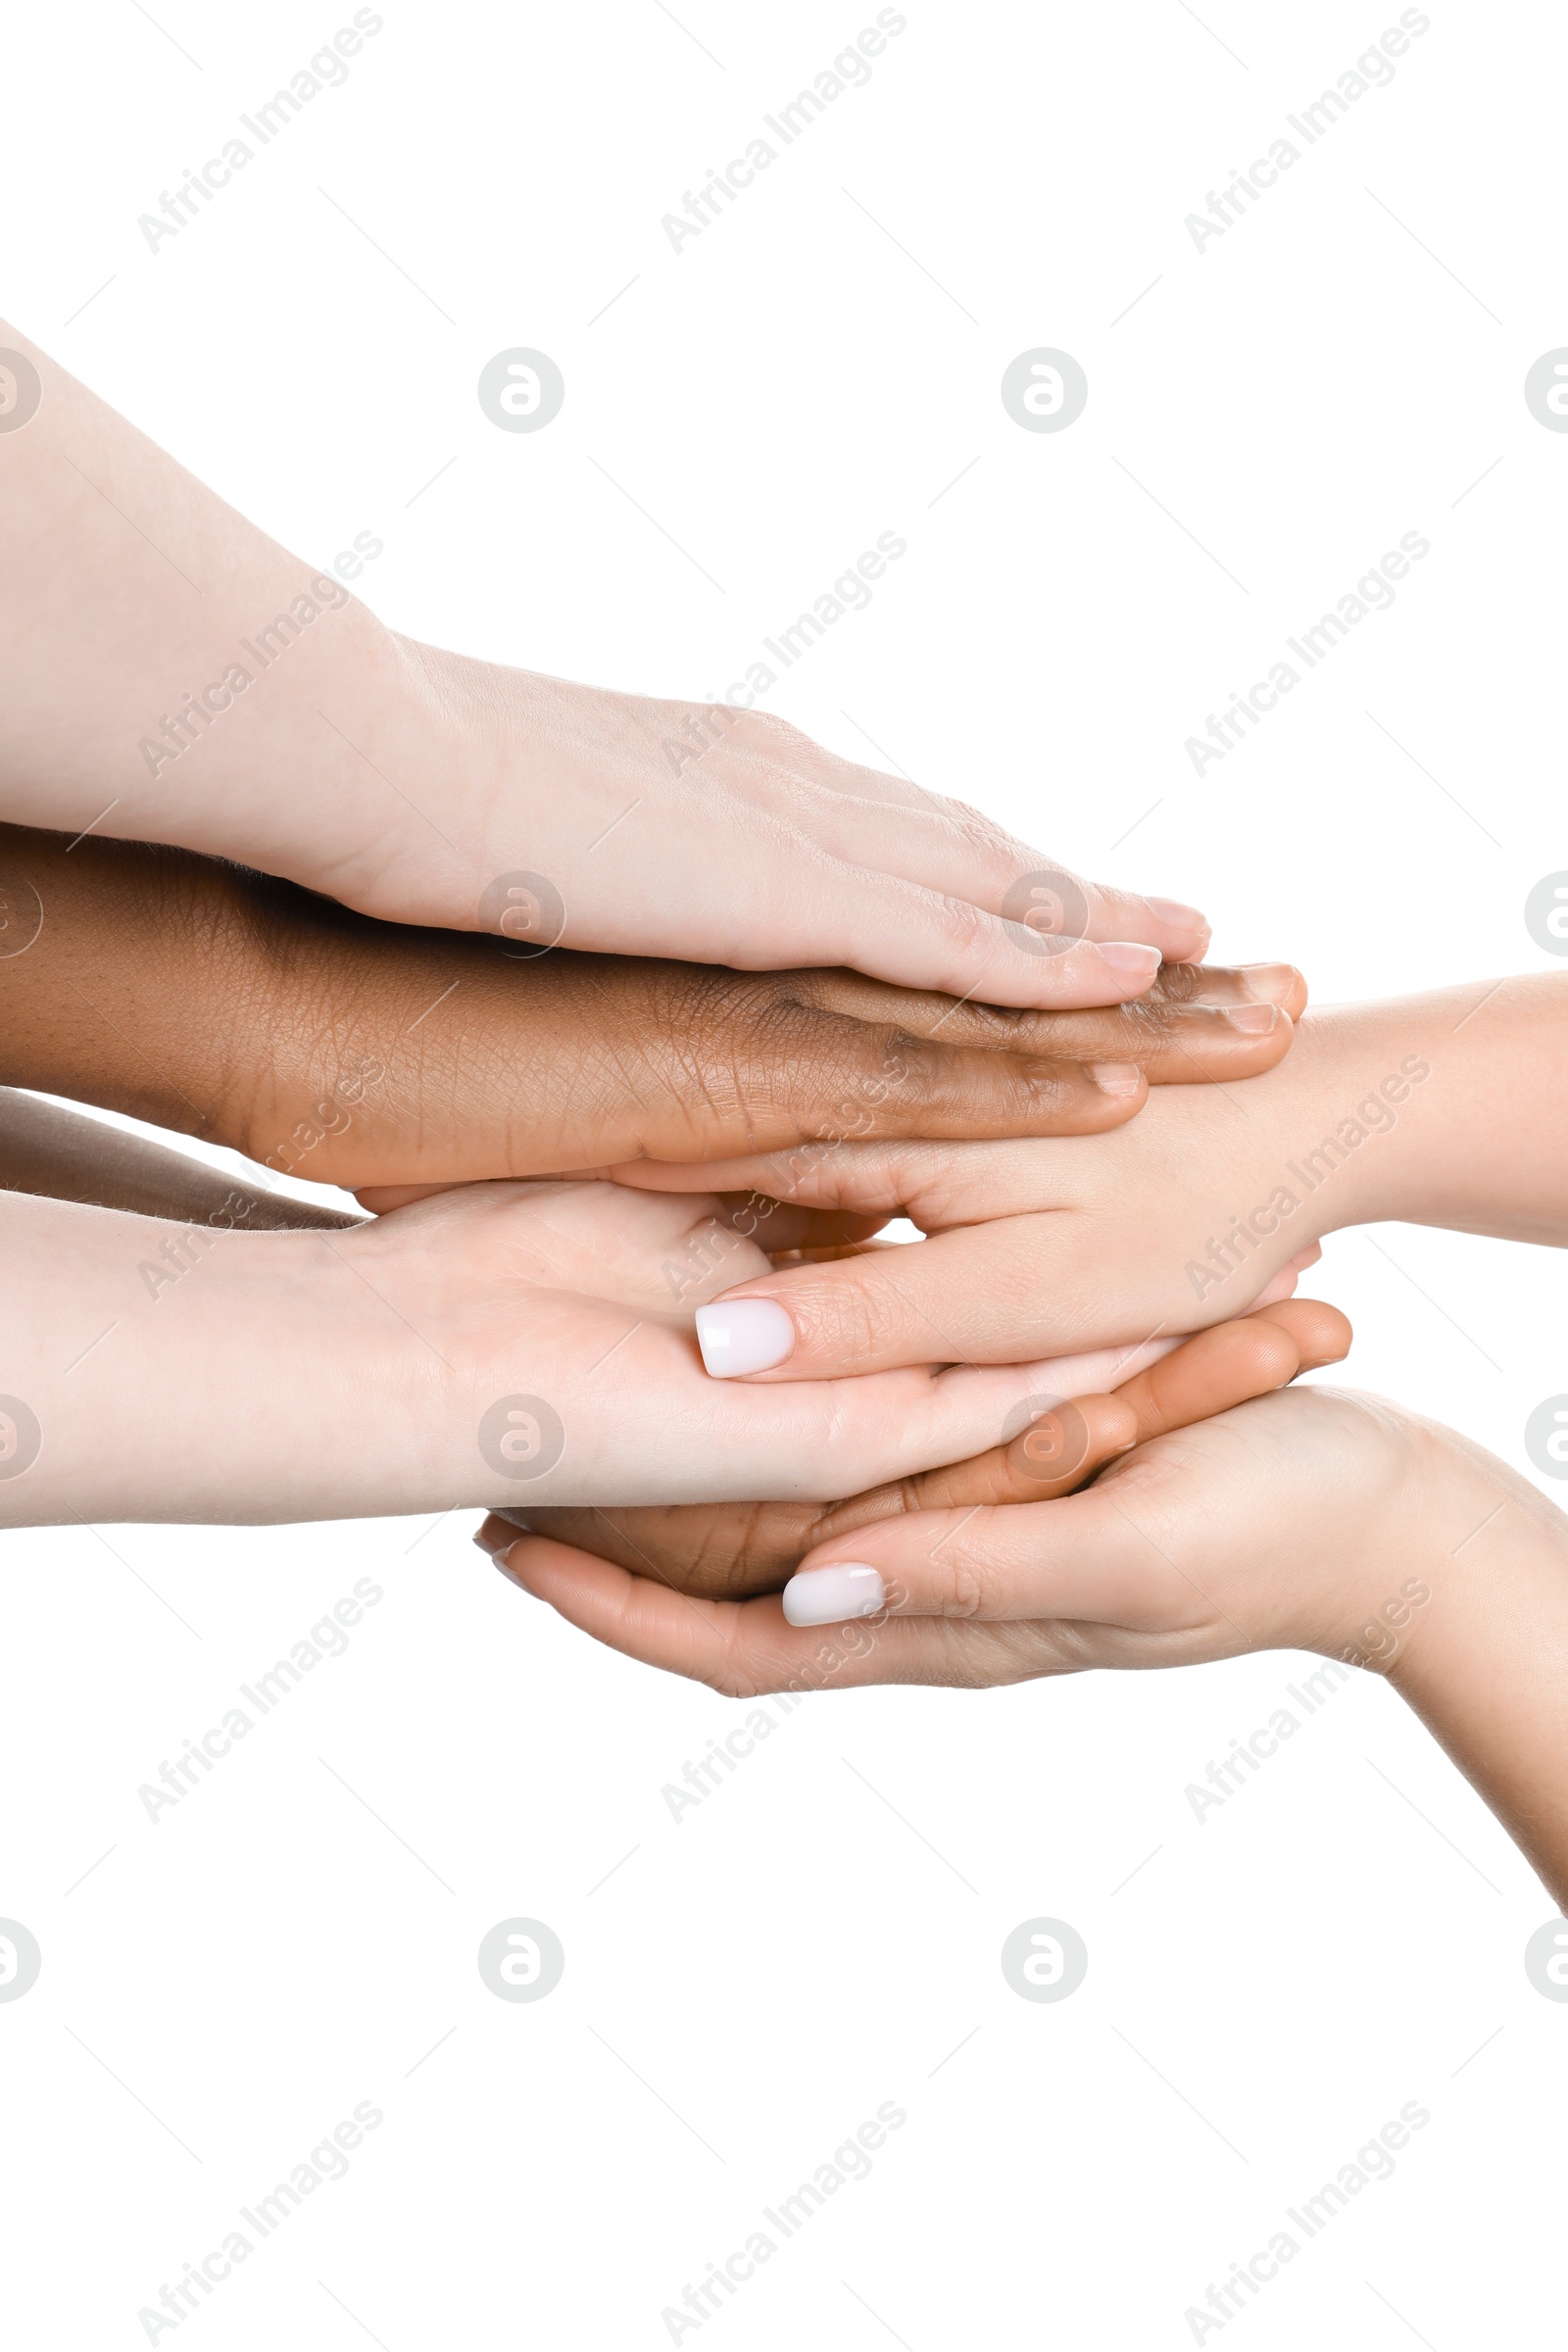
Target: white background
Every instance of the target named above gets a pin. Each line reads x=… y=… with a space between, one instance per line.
x=1341 y=367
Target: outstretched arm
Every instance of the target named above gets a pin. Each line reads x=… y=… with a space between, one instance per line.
x=169 y=673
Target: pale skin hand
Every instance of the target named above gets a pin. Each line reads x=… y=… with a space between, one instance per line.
x=352 y=1052
x=410 y=783
x=732 y=1551
x=261 y=1377
x=1311 y=1519
x=1180 y=1218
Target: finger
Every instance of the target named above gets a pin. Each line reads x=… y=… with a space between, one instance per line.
x=781 y=1228
x=745 y=1648
x=712 y=1550
x=863 y=816
x=829 y=1078
x=978 y=1294
x=1077 y=1557
x=380 y=1199
x=921 y=938
x=729 y=1550
x=1063 y=1449
x=1321 y=1334
x=1286 y=1279
x=1174 y=1043
x=1210 y=1372
x=1193 y=1016
x=732 y=1548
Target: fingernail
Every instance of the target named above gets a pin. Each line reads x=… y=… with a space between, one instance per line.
x=488 y=1544
x=1124 y=956
x=502 y=1560
x=1179 y=917
x=833 y=1596
x=743 y=1335
x=1268 y=981
x=1116 y=1077
x=1255 y=1019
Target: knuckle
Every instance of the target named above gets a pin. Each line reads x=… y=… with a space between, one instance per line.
x=958 y=1589
x=732 y=1681
x=963 y=924
x=775 y=738
x=845 y=1317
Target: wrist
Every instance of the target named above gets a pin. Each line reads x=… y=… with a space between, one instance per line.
x=1347 y=1105
x=111 y=1000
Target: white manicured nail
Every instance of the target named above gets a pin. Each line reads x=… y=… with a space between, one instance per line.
x=743 y=1335
x=833 y=1596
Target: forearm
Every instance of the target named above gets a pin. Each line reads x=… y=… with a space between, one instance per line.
x=130 y=977
x=61 y=1156
x=1485 y=1663
x=162 y=662
x=157 y=1372
x=1448 y=1108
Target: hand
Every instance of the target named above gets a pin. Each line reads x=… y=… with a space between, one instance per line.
x=377 y=1056
x=497 y=1339
x=729 y=1550
x=1312 y=1519
x=1448 y=1108
x=166 y=665
x=1296 y=1520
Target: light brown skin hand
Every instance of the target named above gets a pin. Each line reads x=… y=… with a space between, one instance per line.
x=381 y=1056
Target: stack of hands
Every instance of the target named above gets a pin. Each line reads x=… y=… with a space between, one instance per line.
x=631 y=1024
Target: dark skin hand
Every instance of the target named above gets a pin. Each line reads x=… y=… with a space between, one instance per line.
x=729 y=1552
x=218 y=1003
